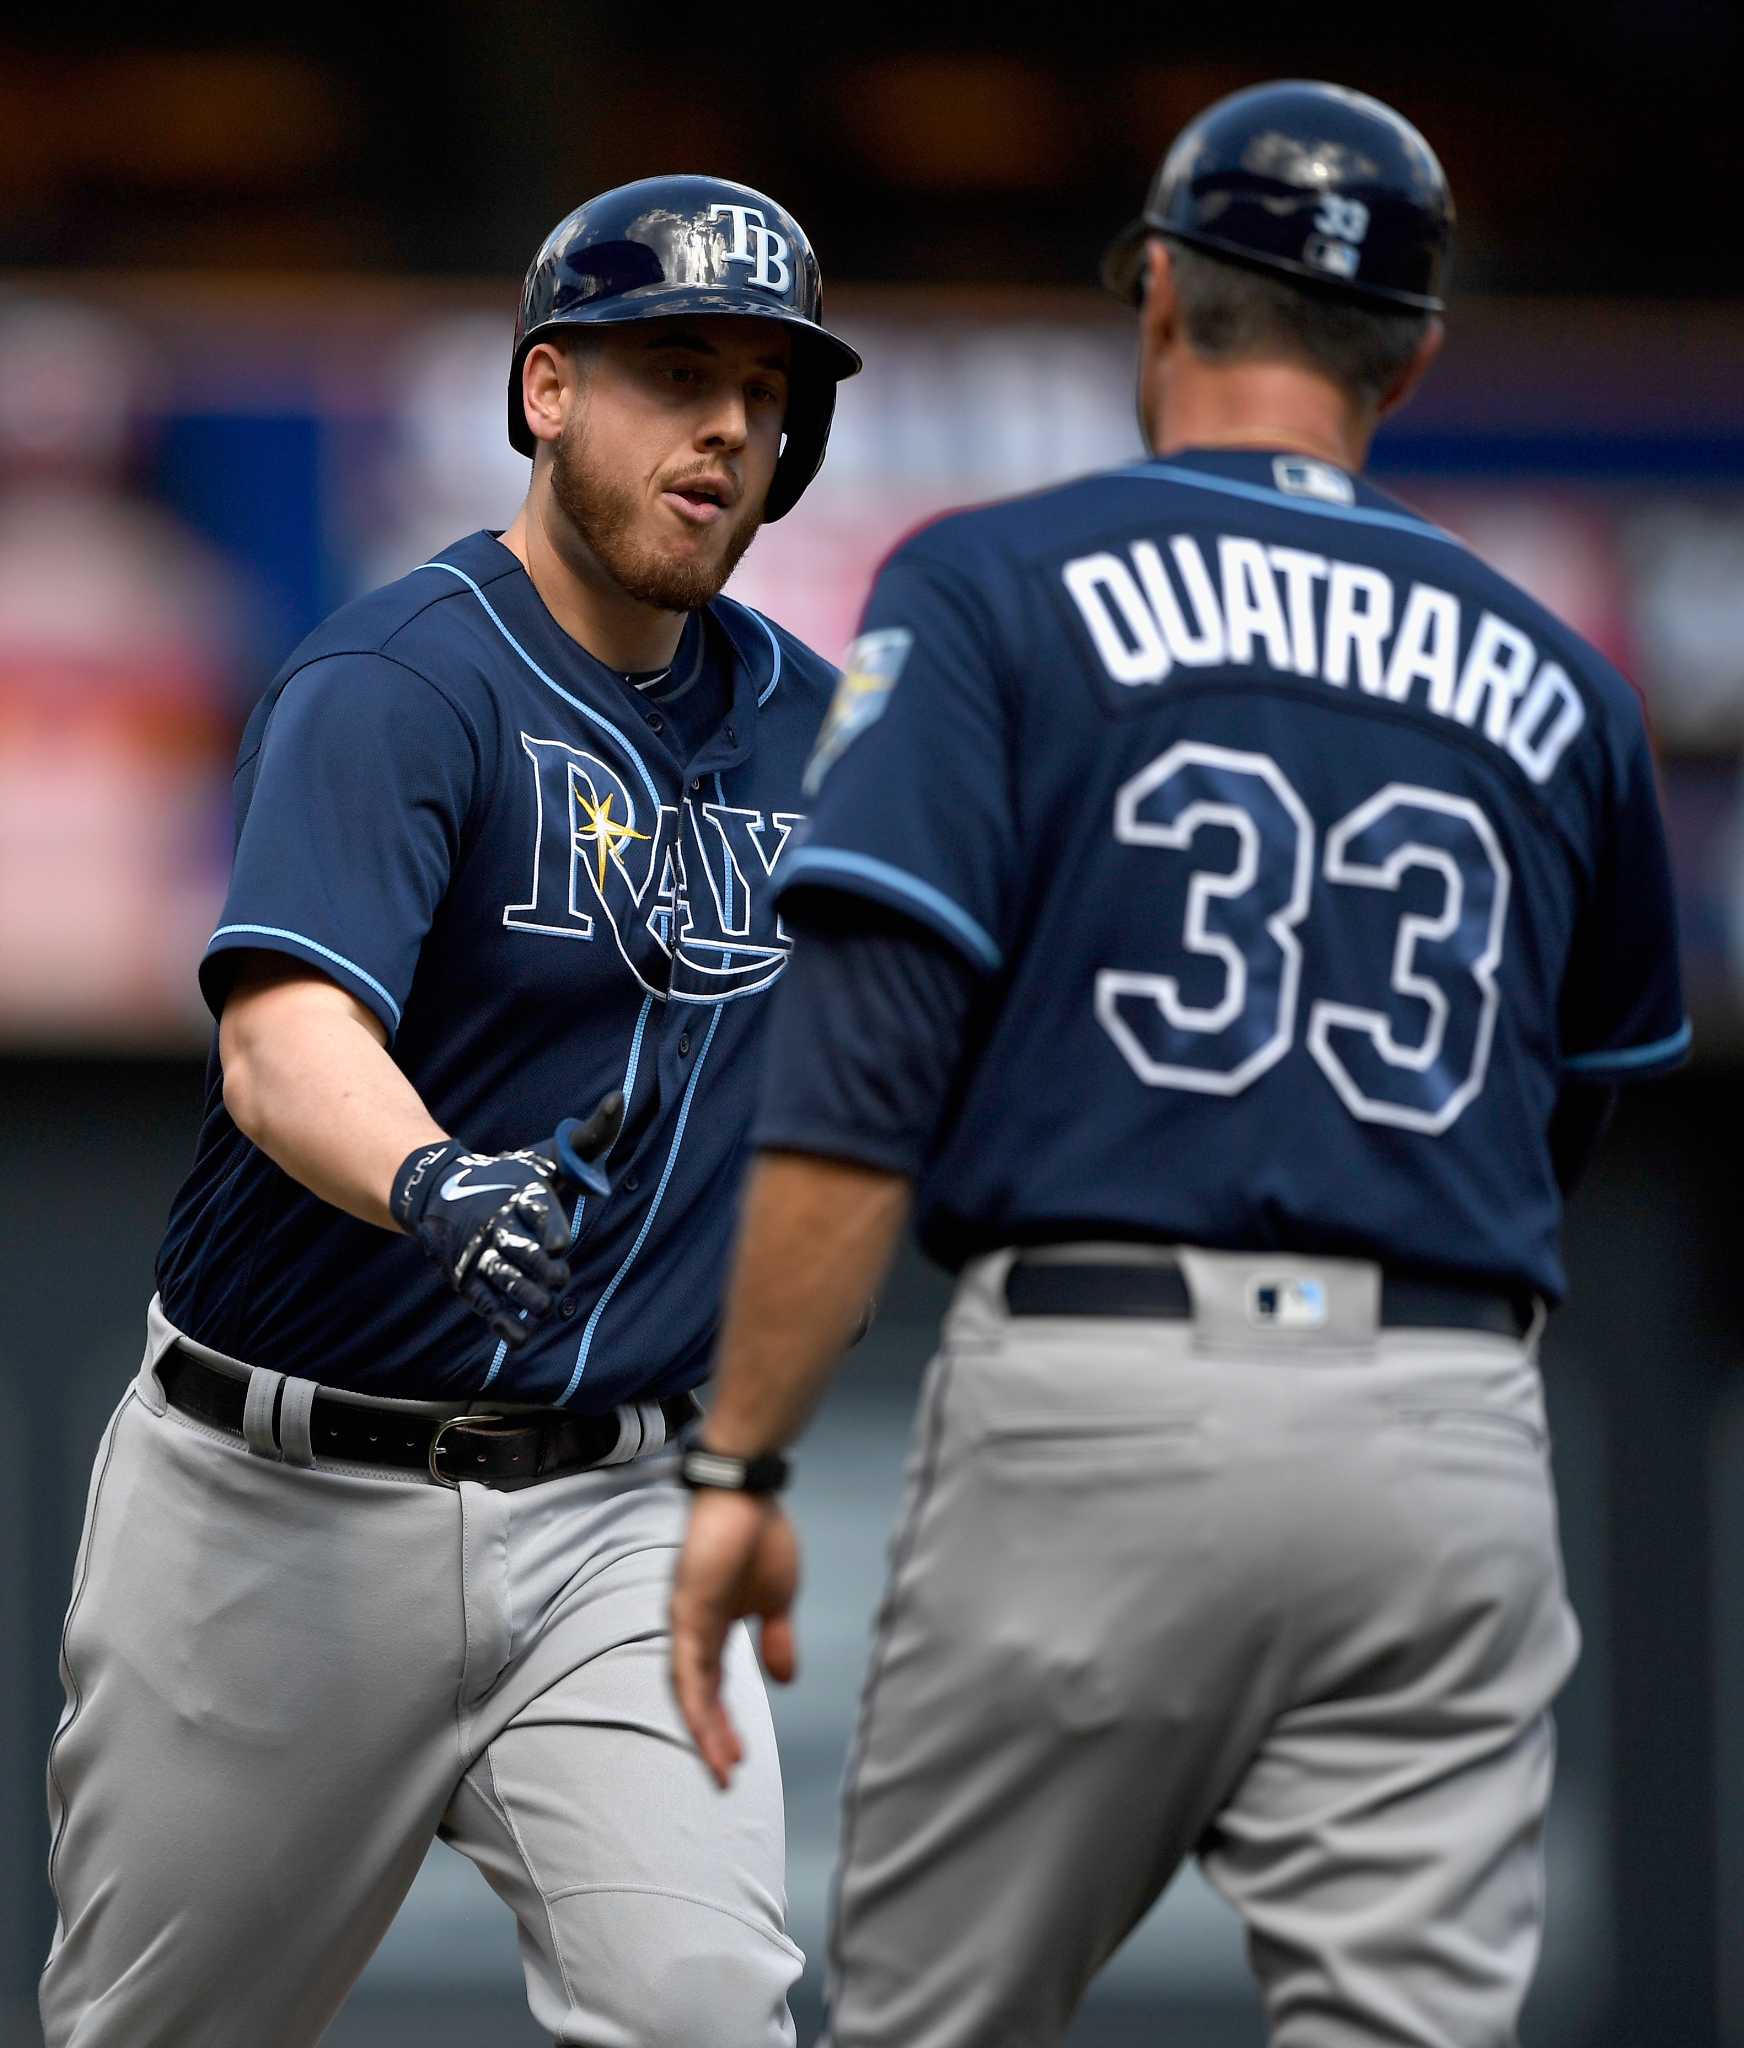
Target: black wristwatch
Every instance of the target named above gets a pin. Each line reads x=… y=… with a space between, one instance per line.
x=764 y=1474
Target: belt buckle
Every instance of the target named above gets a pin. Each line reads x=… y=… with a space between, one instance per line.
x=442 y=1428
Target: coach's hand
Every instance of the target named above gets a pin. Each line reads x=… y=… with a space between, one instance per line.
x=740 y=1557
x=497 y=1222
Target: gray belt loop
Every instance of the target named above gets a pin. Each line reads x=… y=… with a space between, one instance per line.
x=1302 y=1303
x=294 y=1413
x=257 y=1412
x=980 y=1289
x=641 y=1429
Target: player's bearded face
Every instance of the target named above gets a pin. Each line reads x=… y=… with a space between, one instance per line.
x=665 y=461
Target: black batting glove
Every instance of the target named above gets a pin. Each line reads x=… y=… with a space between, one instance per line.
x=498 y=1223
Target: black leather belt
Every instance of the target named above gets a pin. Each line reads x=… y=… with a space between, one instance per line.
x=501 y=1451
x=1158 y=1290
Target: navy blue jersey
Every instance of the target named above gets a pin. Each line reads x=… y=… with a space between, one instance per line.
x=546 y=884
x=1305 y=858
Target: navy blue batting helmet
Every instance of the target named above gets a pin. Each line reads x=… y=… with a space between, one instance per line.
x=1324 y=186
x=691 y=245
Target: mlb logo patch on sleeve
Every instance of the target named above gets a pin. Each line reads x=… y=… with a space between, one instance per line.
x=869 y=675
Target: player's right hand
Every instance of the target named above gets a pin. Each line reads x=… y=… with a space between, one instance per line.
x=497 y=1222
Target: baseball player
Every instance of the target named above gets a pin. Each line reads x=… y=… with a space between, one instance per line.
x=378 y=1541
x=1227 y=907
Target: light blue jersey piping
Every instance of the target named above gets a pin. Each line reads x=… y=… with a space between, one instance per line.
x=768 y=689
x=1634 y=1055
x=585 y=710
x=629 y=1088
x=273 y=931
x=726 y=873
x=1357 y=515
x=612 y=1285
x=826 y=860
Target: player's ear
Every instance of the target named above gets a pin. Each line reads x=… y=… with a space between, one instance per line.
x=545 y=376
x=1416 y=369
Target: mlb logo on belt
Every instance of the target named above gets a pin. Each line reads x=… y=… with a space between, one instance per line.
x=1286 y=1304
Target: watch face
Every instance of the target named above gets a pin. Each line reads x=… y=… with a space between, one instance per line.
x=767 y=1474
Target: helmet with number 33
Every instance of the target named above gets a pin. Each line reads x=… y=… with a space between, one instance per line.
x=1328 y=188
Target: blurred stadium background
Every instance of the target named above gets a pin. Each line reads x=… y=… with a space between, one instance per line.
x=256 y=289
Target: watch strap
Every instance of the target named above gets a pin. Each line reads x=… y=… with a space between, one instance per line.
x=764 y=1474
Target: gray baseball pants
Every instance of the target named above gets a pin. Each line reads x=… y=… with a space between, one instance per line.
x=285 y=1679
x=1289 y=1601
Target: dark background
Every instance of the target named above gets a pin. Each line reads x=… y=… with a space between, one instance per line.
x=268 y=201
x=1593 y=144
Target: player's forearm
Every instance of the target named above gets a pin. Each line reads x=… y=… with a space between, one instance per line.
x=816 y=1241
x=309 y=1080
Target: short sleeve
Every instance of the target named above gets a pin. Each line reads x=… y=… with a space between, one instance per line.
x=1622 y=1000
x=912 y=775
x=351 y=817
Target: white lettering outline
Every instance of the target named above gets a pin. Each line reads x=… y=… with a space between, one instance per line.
x=769 y=265
x=1326 y=1016
x=1112 y=984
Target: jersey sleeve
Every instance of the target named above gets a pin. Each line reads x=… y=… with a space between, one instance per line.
x=912 y=775
x=866 y=1032
x=350 y=826
x=1622 y=1000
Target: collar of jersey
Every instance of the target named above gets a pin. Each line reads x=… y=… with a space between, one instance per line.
x=565 y=666
x=680 y=672
x=1373 y=507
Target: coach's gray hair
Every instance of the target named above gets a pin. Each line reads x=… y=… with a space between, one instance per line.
x=1235 y=314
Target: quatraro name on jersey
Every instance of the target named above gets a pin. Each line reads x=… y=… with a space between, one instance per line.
x=1238 y=602
x=683 y=889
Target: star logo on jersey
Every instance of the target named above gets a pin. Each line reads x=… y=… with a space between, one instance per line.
x=869 y=674
x=606 y=833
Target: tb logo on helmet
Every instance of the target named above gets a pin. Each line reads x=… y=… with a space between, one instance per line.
x=663 y=248
x=759 y=246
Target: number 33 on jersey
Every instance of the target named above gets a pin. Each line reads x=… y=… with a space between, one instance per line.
x=1246 y=918
x=1310 y=858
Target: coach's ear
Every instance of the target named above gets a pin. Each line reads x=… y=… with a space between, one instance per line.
x=1416 y=369
x=1159 y=309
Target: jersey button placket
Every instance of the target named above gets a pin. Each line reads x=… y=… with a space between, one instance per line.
x=684 y=1045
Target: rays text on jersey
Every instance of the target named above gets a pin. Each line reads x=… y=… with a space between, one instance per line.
x=685 y=888
x=1154 y=608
